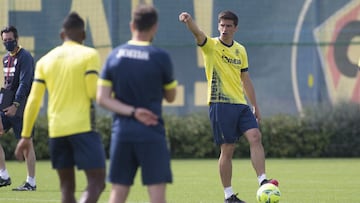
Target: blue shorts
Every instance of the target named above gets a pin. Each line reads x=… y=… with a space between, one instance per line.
x=85 y=150
x=127 y=157
x=230 y=121
x=14 y=122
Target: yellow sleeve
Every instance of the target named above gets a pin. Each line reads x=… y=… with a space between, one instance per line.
x=171 y=85
x=32 y=107
x=90 y=81
x=92 y=74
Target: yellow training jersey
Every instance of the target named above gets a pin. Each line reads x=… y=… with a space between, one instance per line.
x=69 y=73
x=223 y=66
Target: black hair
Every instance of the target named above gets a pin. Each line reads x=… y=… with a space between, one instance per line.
x=144 y=17
x=8 y=29
x=73 y=27
x=228 y=15
x=73 y=21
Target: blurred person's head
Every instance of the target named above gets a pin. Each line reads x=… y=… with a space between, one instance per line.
x=144 y=20
x=73 y=28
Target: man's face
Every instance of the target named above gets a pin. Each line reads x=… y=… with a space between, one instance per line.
x=9 y=41
x=7 y=36
x=227 y=29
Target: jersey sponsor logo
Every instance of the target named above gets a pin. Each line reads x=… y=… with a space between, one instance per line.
x=231 y=60
x=133 y=54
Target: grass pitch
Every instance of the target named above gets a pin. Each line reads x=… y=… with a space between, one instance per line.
x=197 y=181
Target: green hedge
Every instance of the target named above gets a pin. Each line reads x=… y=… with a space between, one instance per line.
x=321 y=131
x=190 y=136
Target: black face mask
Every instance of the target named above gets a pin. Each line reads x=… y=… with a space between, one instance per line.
x=10 y=45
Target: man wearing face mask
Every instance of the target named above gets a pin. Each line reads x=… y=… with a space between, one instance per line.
x=18 y=66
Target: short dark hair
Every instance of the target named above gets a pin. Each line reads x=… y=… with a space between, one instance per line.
x=8 y=29
x=228 y=15
x=144 y=17
x=73 y=21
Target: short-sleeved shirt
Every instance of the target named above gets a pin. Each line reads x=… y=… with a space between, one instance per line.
x=63 y=71
x=138 y=73
x=223 y=67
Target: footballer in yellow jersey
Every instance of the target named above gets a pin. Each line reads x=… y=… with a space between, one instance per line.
x=69 y=73
x=63 y=72
x=223 y=66
x=226 y=68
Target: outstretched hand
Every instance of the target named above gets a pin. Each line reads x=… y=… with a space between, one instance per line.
x=146 y=116
x=22 y=148
x=184 y=17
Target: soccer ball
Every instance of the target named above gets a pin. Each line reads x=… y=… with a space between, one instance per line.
x=268 y=193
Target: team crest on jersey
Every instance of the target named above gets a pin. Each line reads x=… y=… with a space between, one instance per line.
x=237 y=52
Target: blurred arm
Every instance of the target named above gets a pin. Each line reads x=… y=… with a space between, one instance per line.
x=32 y=107
x=170 y=91
x=105 y=99
x=250 y=93
x=192 y=26
x=90 y=81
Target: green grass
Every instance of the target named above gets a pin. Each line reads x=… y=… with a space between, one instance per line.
x=195 y=181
